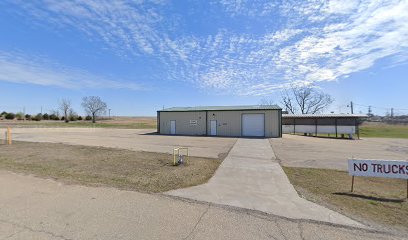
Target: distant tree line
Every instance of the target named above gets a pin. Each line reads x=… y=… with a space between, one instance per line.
x=93 y=106
x=39 y=117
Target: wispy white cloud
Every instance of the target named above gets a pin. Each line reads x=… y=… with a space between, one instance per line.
x=18 y=68
x=314 y=40
x=351 y=37
x=249 y=8
x=126 y=26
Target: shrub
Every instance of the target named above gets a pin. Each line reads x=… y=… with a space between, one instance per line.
x=46 y=116
x=10 y=116
x=63 y=119
x=20 y=116
x=38 y=117
x=88 y=118
x=72 y=118
x=28 y=116
x=3 y=113
x=79 y=118
x=54 y=117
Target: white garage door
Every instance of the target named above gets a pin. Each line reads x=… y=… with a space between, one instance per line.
x=253 y=125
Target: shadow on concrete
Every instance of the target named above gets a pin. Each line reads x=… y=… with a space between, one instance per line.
x=370 y=197
x=324 y=137
x=185 y=135
x=149 y=133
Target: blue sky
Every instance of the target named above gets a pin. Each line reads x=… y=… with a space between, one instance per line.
x=142 y=55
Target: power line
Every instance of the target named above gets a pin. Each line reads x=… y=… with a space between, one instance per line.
x=385 y=108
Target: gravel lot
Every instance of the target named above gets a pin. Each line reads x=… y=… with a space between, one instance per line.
x=131 y=139
x=312 y=152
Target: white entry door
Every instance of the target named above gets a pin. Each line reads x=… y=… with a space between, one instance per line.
x=213 y=127
x=253 y=125
x=173 y=127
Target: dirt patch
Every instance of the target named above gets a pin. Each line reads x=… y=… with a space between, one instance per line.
x=99 y=166
x=379 y=202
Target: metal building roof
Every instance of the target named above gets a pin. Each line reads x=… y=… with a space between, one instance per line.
x=221 y=108
x=323 y=116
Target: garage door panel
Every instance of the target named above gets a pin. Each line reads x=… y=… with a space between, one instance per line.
x=253 y=125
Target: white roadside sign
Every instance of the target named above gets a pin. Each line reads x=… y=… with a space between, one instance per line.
x=378 y=168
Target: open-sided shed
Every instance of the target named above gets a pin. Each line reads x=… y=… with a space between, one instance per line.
x=315 y=124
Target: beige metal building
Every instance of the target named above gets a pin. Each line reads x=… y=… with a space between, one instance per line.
x=234 y=121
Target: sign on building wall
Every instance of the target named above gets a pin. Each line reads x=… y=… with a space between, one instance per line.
x=378 y=168
x=193 y=122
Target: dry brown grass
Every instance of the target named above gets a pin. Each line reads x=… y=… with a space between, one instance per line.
x=98 y=166
x=378 y=201
x=115 y=122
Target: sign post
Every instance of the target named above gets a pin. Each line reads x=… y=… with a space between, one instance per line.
x=352 y=183
x=8 y=136
x=378 y=168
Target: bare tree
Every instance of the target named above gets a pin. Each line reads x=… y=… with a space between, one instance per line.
x=305 y=100
x=94 y=106
x=287 y=102
x=73 y=116
x=65 y=107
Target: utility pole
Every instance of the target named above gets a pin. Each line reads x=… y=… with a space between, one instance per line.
x=392 y=112
x=351 y=107
x=109 y=112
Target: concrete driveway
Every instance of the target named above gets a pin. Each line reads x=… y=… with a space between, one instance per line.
x=34 y=208
x=302 y=151
x=132 y=139
x=250 y=177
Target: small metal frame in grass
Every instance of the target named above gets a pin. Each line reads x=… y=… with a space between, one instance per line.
x=179 y=159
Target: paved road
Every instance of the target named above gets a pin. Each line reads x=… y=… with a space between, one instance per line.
x=301 y=151
x=33 y=208
x=132 y=139
x=250 y=177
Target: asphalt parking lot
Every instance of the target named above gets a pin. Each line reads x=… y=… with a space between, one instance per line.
x=131 y=139
x=312 y=152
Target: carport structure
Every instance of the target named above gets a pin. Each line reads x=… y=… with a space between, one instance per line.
x=315 y=124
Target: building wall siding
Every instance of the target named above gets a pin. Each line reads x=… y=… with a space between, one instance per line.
x=320 y=129
x=183 y=126
x=228 y=122
x=320 y=121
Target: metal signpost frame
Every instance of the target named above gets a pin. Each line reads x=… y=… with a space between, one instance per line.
x=178 y=154
x=8 y=136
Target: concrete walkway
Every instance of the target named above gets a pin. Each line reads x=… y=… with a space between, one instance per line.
x=250 y=177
